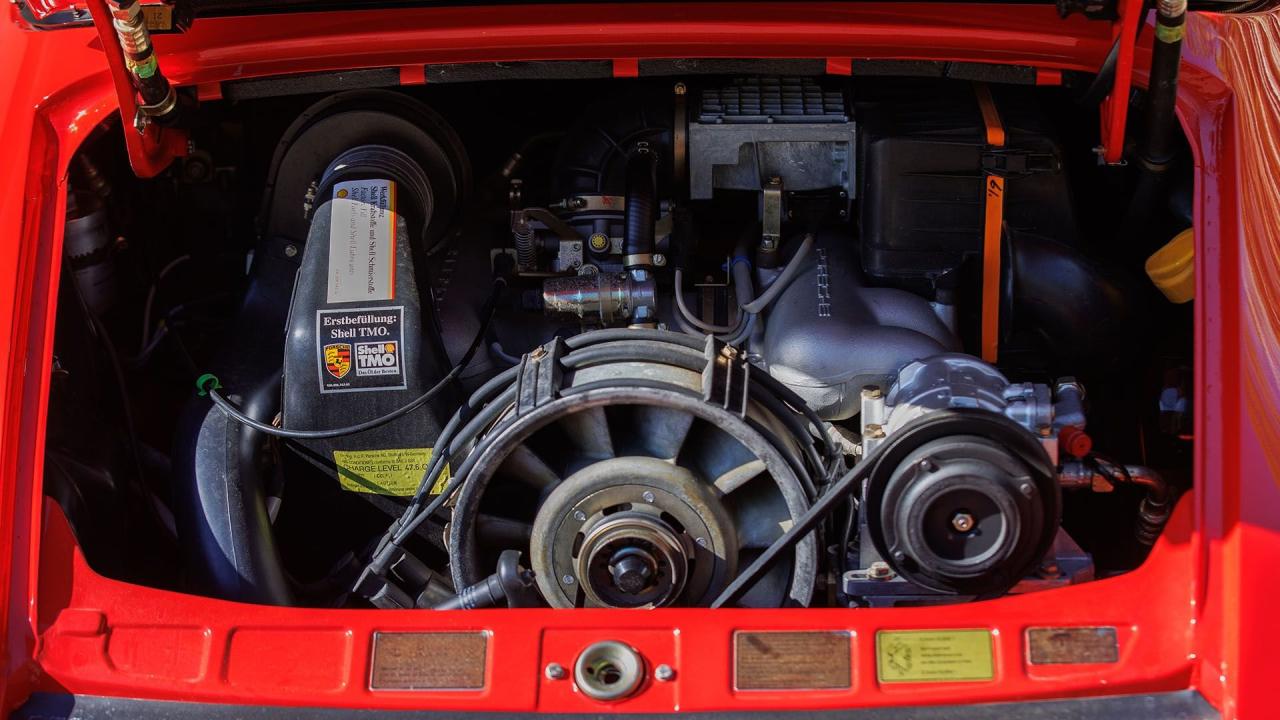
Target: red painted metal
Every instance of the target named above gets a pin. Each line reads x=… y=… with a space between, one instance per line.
x=153 y=148
x=1195 y=615
x=182 y=647
x=1115 y=108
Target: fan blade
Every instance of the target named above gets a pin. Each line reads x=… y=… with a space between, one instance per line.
x=759 y=513
x=660 y=432
x=503 y=532
x=718 y=458
x=526 y=466
x=588 y=430
x=736 y=477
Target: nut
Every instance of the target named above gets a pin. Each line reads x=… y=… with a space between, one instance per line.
x=962 y=522
x=879 y=570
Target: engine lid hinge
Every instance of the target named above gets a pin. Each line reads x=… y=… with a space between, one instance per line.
x=725 y=377
x=147 y=100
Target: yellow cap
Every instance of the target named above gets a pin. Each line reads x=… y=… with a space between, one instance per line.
x=1173 y=269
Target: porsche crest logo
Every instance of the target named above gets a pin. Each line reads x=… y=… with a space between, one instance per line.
x=337 y=359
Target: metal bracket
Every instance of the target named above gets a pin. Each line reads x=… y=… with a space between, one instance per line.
x=540 y=376
x=771 y=215
x=725 y=377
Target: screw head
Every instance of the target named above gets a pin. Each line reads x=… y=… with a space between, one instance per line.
x=962 y=522
x=555 y=671
x=290 y=250
x=648 y=496
x=664 y=673
x=579 y=516
x=659 y=259
x=567 y=579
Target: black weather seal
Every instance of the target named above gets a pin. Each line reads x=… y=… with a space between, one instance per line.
x=979 y=72
x=310 y=83
x=667 y=67
x=1181 y=705
x=535 y=70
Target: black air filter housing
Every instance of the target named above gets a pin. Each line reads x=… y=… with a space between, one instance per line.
x=923 y=149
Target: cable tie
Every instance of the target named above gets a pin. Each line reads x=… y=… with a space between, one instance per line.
x=207 y=383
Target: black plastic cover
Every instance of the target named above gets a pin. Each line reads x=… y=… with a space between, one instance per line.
x=923 y=157
x=353 y=361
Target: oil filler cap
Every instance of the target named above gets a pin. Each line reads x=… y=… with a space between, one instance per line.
x=608 y=671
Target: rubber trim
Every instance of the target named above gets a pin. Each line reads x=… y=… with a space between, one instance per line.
x=535 y=70
x=1180 y=705
x=323 y=82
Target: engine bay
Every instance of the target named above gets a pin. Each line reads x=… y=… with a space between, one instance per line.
x=741 y=340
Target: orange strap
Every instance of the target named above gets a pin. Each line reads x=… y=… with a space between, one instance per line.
x=993 y=225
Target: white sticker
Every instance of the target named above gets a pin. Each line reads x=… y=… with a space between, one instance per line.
x=362 y=241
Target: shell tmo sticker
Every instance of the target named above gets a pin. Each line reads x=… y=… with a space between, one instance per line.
x=361 y=349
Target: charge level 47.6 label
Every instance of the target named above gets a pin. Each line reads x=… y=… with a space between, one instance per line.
x=361 y=349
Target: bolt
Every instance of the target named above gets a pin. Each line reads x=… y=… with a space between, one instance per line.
x=290 y=250
x=555 y=671
x=1050 y=569
x=659 y=259
x=926 y=465
x=648 y=496
x=579 y=516
x=702 y=542
x=962 y=522
x=871 y=392
x=680 y=89
x=879 y=570
x=567 y=579
x=1026 y=489
x=664 y=673
x=874 y=431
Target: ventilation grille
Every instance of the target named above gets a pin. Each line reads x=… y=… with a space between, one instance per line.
x=772 y=100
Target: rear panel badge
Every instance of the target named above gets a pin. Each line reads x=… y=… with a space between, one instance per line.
x=361 y=349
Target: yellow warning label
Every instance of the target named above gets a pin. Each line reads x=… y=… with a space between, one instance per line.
x=934 y=656
x=386 y=472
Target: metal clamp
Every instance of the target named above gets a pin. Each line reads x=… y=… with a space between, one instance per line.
x=540 y=376
x=725 y=377
x=771 y=215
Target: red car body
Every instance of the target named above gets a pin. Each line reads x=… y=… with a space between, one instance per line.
x=1197 y=615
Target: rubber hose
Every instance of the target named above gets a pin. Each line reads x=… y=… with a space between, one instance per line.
x=641 y=208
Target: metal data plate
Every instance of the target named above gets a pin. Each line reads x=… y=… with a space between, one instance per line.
x=792 y=661
x=429 y=661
